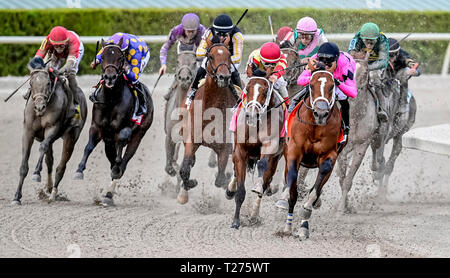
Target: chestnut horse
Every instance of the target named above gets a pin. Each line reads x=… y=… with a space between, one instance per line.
x=206 y=123
x=313 y=133
x=256 y=140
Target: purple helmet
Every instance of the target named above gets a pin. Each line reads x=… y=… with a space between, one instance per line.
x=307 y=25
x=190 y=21
x=116 y=38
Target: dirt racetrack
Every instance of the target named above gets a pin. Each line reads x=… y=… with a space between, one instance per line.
x=147 y=221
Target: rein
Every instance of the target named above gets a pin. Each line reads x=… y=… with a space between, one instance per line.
x=118 y=69
x=261 y=109
x=49 y=91
x=214 y=74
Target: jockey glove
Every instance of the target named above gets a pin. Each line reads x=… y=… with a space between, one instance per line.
x=201 y=73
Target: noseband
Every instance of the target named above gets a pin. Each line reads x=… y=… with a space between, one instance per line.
x=208 y=58
x=254 y=104
x=322 y=80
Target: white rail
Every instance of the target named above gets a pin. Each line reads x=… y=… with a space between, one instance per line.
x=253 y=38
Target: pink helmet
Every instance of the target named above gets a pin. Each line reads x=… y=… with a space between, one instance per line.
x=307 y=25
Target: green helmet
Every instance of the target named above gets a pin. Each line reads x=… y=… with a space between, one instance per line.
x=370 y=31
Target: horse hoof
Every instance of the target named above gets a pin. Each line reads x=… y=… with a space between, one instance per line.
x=287 y=230
x=170 y=170
x=36 y=178
x=317 y=203
x=107 y=202
x=116 y=173
x=52 y=197
x=183 y=196
x=258 y=189
x=192 y=183
x=229 y=194
x=302 y=233
x=221 y=181
x=282 y=204
x=16 y=203
x=235 y=226
x=305 y=213
x=78 y=176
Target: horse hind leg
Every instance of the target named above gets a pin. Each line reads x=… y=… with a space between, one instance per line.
x=170 y=154
x=69 y=141
x=396 y=150
x=185 y=172
x=49 y=162
x=222 y=179
x=94 y=139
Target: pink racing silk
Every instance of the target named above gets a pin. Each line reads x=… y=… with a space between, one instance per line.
x=345 y=73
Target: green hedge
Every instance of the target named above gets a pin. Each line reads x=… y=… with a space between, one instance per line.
x=95 y=22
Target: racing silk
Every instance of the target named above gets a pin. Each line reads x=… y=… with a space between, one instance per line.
x=236 y=45
x=177 y=34
x=379 y=56
x=312 y=48
x=73 y=48
x=403 y=61
x=344 y=72
x=135 y=52
x=255 y=57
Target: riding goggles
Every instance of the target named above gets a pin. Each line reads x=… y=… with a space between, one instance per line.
x=369 y=41
x=220 y=33
x=267 y=64
x=393 y=54
x=327 y=59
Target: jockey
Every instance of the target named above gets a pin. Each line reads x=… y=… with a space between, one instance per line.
x=285 y=37
x=269 y=56
x=343 y=67
x=62 y=44
x=189 y=32
x=402 y=67
x=370 y=39
x=137 y=54
x=307 y=38
x=221 y=29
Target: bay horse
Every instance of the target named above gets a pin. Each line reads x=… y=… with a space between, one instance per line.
x=293 y=70
x=208 y=114
x=185 y=73
x=313 y=130
x=111 y=118
x=256 y=141
x=46 y=120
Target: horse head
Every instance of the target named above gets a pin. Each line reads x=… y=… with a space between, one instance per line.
x=186 y=65
x=40 y=87
x=259 y=97
x=218 y=62
x=113 y=60
x=362 y=71
x=293 y=69
x=322 y=94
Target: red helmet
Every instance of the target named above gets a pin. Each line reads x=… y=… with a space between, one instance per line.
x=284 y=34
x=58 y=35
x=270 y=53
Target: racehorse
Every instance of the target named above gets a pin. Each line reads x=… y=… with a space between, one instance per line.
x=111 y=118
x=210 y=107
x=293 y=70
x=185 y=73
x=313 y=130
x=398 y=125
x=46 y=120
x=256 y=140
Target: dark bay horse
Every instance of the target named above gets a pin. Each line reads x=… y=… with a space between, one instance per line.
x=293 y=70
x=111 y=118
x=46 y=120
x=313 y=131
x=206 y=122
x=256 y=140
x=185 y=73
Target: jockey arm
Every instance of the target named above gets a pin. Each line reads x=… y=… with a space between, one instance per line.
x=201 y=49
x=383 y=57
x=168 y=44
x=238 y=46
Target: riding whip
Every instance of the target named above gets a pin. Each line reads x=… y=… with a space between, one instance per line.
x=242 y=16
x=157 y=80
x=271 y=27
x=96 y=51
x=398 y=42
x=16 y=90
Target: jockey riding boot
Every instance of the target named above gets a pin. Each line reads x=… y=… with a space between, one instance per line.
x=345 y=111
x=170 y=91
x=141 y=98
x=284 y=93
x=403 y=105
x=201 y=73
x=73 y=103
x=298 y=97
x=382 y=115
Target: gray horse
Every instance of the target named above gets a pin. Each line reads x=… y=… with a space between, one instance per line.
x=185 y=73
x=398 y=125
x=293 y=70
x=45 y=119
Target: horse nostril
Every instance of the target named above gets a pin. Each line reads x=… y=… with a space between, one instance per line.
x=326 y=114
x=315 y=114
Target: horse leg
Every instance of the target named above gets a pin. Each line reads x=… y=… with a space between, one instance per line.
x=212 y=160
x=124 y=136
x=359 y=152
x=49 y=163
x=291 y=173
x=396 y=149
x=27 y=142
x=94 y=139
x=325 y=169
x=131 y=150
x=378 y=153
x=222 y=157
x=301 y=186
x=111 y=152
x=240 y=158
x=185 y=172
x=170 y=154
x=49 y=137
x=69 y=141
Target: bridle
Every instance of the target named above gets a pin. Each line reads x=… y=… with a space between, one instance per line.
x=208 y=58
x=118 y=69
x=47 y=95
x=185 y=67
x=294 y=69
x=254 y=105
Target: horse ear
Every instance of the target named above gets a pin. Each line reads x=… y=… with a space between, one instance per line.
x=227 y=40
x=120 y=42
x=103 y=43
x=209 y=43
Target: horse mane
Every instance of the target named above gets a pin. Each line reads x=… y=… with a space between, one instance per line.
x=320 y=66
